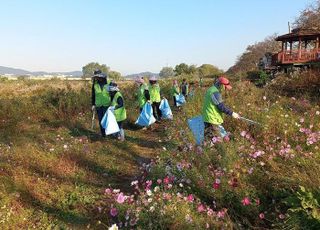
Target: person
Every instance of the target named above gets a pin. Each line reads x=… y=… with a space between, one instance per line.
x=192 y=90
x=155 y=97
x=143 y=92
x=118 y=108
x=200 y=82
x=213 y=108
x=184 y=88
x=100 y=96
x=175 y=91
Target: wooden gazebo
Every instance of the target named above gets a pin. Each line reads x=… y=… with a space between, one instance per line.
x=300 y=47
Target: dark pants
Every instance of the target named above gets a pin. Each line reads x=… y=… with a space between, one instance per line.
x=156 y=110
x=100 y=112
x=120 y=124
x=185 y=95
x=211 y=131
x=174 y=101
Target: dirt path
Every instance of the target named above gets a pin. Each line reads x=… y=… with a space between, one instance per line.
x=144 y=145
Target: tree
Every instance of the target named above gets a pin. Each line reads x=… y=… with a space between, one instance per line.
x=166 y=72
x=88 y=69
x=114 y=75
x=192 y=69
x=208 y=70
x=181 y=68
x=309 y=18
x=249 y=60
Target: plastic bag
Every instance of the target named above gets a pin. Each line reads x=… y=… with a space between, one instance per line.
x=196 y=124
x=165 y=109
x=180 y=99
x=109 y=123
x=146 y=117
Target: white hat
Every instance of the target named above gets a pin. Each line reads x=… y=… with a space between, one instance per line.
x=153 y=78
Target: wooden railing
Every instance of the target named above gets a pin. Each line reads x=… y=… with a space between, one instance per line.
x=296 y=56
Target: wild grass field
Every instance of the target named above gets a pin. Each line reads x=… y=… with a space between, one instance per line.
x=57 y=173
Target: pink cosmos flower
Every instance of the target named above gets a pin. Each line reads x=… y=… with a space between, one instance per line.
x=159 y=181
x=214 y=140
x=107 y=191
x=281 y=216
x=216 y=185
x=148 y=184
x=166 y=180
x=261 y=216
x=201 y=208
x=121 y=198
x=221 y=214
x=210 y=212
x=258 y=201
x=243 y=133
x=113 y=212
x=190 y=198
x=246 y=201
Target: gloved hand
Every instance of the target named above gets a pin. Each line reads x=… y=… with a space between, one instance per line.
x=235 y=115
x=93 y=107
x=149 y=101
x=112 y=108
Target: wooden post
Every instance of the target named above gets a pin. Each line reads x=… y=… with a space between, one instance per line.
x=299 y=49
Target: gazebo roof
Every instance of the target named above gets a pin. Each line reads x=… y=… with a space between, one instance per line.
x=300 y=33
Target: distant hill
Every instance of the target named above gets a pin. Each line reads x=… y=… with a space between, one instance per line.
x=143 y=74
x=14 y=71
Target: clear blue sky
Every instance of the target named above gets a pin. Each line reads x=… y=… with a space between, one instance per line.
x=133 y=36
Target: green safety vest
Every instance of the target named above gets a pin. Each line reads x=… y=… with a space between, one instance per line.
x=210 y=112
x=141 y=98
x=154 y=91
x=119 y=113
x=102 y=97
x=175 y=90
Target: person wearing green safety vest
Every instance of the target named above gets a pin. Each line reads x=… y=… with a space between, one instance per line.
x=184 y=87
x=143 y=92
x=175 y=91
x=213 y=109
x=118 y=108
x=100 y=96
x=155 y=97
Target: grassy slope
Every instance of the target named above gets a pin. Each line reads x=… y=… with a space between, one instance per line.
x=54 y=169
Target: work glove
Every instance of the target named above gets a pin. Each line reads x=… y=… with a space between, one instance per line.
x=112 y=108
x=235 y=115
x=93 y=107
x=148 y=101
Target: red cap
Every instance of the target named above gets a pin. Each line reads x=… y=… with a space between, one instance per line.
x=225 y=82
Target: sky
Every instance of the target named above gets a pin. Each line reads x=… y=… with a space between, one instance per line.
x=132 y=36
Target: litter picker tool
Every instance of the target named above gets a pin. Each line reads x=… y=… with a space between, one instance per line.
x=93 y=121
x=250 y=121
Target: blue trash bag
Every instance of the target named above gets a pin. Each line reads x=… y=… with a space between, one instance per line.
x=109 y=123
x=146 y=117
x=180 y=99
x=165 y=109
x=196 y=124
